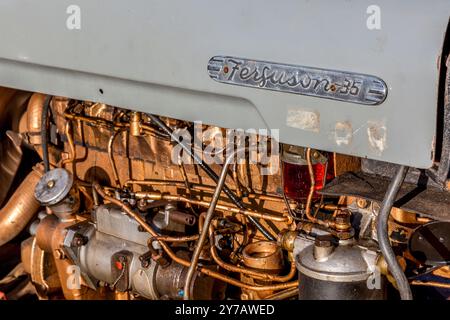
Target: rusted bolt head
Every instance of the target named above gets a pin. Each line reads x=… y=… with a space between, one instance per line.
x=79 y=240
x=362 y=203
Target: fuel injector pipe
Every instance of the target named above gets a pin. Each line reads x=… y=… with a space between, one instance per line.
x=208 y=218
x=212 y=175
x=383 y=236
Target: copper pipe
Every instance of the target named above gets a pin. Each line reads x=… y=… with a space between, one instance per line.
x=181 y=261
x=95 y=121
x=236 y=180
x=264 y=197
x=34 y=121
x=110 y=124
x=20 y=209
x=156 y=182
x=286 y=294
x=431 y=284
x=289 y=210
x=198 y=187
x=330 y=207
x=175 y=239
x=148 y=129
x=185 y=177
x=73 y=150
x=111 y=157
x=186 y=183
x=311 y=193
x=206 y=224
x=247 y=271
x=206 y=204
x=34 y=115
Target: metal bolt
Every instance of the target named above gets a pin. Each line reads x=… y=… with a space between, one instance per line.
x=362 y=203
x=342 y=219
x=323 y=242
x=79 y=240
x=51 y=184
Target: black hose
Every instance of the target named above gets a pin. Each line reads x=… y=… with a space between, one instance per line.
x=44 y=133
x=233 y=197
x=383 y=237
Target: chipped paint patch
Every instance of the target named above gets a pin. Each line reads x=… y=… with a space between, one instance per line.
x=377 y=134
x=303 y=119
x=343 y=133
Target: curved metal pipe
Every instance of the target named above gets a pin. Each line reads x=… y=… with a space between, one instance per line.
x=34 y=115
x=174 y=239
x=383 y=236
x=20 y=209
x=233 y=197
x=220 y=207
x=312 y=188
x=283 y=295
x=37 y=119
x=199 y=187
x=111 y=156
x=205 y=229
x=248 y=271
x=181 y=261
x=72 y=148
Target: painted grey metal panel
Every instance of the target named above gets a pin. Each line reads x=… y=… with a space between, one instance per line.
x=153 y=55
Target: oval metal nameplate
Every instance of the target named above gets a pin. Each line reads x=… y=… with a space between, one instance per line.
x=329 y=84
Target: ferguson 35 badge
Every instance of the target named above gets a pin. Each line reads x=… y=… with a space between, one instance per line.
x=330 y=84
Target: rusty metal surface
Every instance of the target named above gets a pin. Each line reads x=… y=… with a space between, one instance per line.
x=427 y=201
